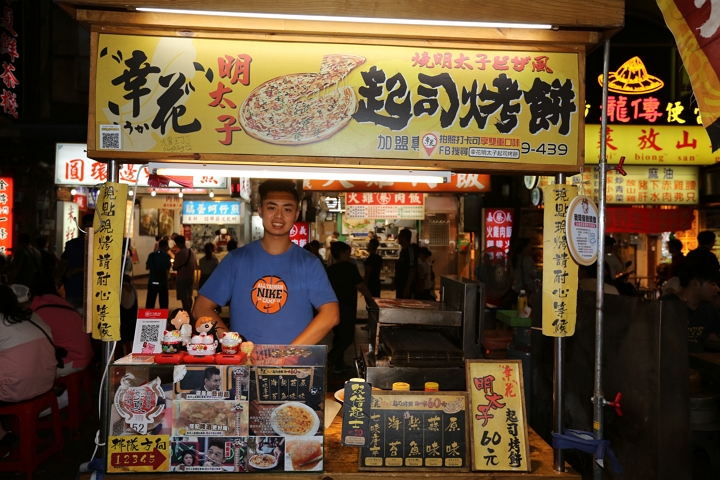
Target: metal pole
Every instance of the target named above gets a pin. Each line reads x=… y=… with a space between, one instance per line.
x=558 y=384
x=598 y=396
x=113 y=170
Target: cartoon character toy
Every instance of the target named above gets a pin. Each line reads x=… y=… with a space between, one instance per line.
x=180 y=319
x=202 y=344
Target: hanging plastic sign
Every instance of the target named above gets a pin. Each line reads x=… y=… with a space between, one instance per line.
x=582 y=230
x=560 y=273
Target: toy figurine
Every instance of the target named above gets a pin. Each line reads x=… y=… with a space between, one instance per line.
x=202 y=344
x=180 y=319
x=206 y=325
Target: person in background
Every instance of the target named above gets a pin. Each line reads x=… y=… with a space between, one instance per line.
x=406 y=265
x=208 y=263
x=66 y=325
x=425 y=279
x=523 y=268
x=703 y=254
x=346 y=282
x=211 y=379
x=26 y=266
x=328 y=241
x=157 y=242
x=71 y=268
x=588 y=279
x=373 y=267
x=171 y=244
x=214 y=455
x=698 y=289
x=46 y=281
x=27 y=358
x=221 y=240
x=612 y=258
x=185 y=265
x=232 y=245
x=158 y=263
x=315 y=250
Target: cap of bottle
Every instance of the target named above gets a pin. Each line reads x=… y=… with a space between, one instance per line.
x=356 y=380
x=522 y=292
x=431 y=387
x=401 y=386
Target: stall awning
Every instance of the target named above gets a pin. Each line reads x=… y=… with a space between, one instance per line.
x=647 y=220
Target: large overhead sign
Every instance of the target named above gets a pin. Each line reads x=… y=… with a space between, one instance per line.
x=459 y=183
x=189 y=96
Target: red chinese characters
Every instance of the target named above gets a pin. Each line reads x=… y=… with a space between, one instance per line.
x=237 y=70
x=6 y=214
x=482 y=60
x=300 y=233
x=498 y=231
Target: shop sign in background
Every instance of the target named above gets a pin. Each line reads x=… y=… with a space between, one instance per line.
x=73 y=167
x=407 y=206
x=186 y=95
x=198 y=211
x=651 y=145
x=560 y=272
x=459 y=183
x=498 y=230
x=300 y=233
x=7 y=201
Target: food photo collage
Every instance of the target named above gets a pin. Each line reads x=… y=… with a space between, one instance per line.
x=219 y=418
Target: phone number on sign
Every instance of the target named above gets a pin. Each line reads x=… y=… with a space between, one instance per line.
x=546 y=149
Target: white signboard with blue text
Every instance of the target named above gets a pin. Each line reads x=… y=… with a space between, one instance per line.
x=209 y=212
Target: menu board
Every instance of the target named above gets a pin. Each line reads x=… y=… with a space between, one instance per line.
x=416 y=430
x=264 y=416
x=499 y=428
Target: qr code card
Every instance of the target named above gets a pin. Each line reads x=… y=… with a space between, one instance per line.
x=110 y=136
x=148 y=336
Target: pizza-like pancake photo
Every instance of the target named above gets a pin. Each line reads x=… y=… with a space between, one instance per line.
x=302 y=108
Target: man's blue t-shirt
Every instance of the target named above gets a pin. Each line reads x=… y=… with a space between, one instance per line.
x=271 y=296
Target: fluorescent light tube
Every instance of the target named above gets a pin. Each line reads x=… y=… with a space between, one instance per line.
x=301 y=173
x=325 y=18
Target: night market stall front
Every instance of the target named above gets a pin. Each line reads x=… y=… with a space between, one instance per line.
x=387 y=92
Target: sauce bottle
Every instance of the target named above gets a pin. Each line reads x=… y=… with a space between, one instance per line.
x=431 y=387
x=401 y=386
x=521 y=302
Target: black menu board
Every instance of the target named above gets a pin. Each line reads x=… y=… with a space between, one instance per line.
x=416 y=430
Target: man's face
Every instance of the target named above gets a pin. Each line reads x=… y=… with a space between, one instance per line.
x=403 y=241
x=214 y=455
x=278 y=211
x=708 y=291
x=213 y=383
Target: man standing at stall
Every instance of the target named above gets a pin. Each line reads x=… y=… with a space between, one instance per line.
x=185 y=266
x=406 y=265
x=272 y=284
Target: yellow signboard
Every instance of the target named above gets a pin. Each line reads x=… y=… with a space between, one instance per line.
x=139 y=453
x=651 y=145
x=662 y=185
x=499 y=426
x=107 y=261
x=560 y=272
x=207 y=96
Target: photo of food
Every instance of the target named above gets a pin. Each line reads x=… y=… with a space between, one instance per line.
x=295 y=419
x=304 y=454
x=266 y=453
x=166 y=222
x=210 y=418
x=149 y=221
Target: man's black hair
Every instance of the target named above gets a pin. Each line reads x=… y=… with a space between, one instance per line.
x=337 y=248
x=180 y=241
x=278 y=185
x=405 y=232
x=706 y=237
x=163 y=244
x=87 y=220
x=216 y=442
x=675 y=243
x=374 y=242
x=692 y=270
x=210 y=371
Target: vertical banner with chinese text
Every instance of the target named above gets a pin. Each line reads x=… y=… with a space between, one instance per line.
x=6 y=214
x=560 y=272
x=107 y=261
x=497 y=406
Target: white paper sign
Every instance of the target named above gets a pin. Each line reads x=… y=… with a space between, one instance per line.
x=582 y=230
x=149 y=331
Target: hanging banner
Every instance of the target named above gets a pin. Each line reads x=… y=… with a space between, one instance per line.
x=654 y=145
x=582 y=230
x=459 y=183
x=300 y=233
x=694 y=25
x=406 y=206
x=107 y=261
x=73 y=167
x=560 y=272
x=7 y=202
x=499 y=423
x=189 y=96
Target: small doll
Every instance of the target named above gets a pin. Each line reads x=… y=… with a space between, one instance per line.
x=206 y=325
x=180 y=319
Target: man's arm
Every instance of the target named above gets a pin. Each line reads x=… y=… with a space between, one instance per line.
x=328 y=316
x=204 y=307
x=362 y=288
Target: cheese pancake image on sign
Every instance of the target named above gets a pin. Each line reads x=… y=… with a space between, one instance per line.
x=269 y=294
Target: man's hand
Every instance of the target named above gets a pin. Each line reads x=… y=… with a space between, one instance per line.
x=204 y=307
x=328 y=316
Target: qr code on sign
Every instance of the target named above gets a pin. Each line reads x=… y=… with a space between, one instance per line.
x=149 y=333
x=110 y=136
